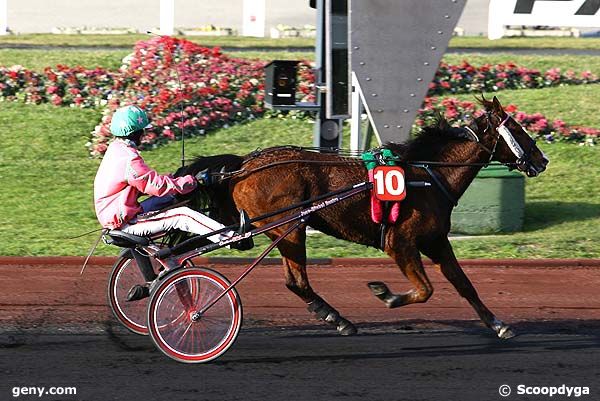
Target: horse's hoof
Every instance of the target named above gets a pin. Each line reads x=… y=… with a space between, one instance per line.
x=346 y=328
x=506 y=332
x=379 y=289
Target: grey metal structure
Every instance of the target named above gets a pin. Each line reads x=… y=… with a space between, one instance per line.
x=395 y=47
x=378 y=57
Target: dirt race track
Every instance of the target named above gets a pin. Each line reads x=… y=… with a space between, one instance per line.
x=56 y=329
x=38 y=292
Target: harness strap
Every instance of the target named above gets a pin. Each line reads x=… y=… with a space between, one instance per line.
x=440 y=185
x=476 y=140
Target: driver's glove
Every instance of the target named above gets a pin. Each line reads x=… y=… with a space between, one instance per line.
x=203 y=177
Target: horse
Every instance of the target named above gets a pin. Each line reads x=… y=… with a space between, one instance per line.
x=275 y=178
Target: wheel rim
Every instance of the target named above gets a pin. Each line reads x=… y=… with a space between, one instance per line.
x=131 y=314
x=176 y=334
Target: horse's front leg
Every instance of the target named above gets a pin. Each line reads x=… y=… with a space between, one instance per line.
x=409 y=261
x=441 y=253
x=293 y=251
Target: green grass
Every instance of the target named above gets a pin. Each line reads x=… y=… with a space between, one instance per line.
x=39 y=59
x=576 y=105
x=47 y=177
x=562 y=212
x=542 y=63
x=529 y=43
x=129 y=40
x=274 y=55
x=47 y=185
x=111 y=59
x=238 y=41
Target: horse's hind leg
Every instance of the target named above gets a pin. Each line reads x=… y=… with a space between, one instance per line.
x=441 y=253
x=409 y=261
x=293 y=251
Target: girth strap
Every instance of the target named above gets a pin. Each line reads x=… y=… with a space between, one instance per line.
x=440 y=185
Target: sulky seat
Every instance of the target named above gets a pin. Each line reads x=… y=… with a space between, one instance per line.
x=125 y=240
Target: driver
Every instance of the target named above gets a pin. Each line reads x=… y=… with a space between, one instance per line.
x=123 y=177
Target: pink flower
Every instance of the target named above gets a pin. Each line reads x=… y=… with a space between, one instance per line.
x=100 y=148
x=56 y=100
x=451 y=114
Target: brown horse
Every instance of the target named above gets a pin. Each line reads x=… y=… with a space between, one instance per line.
x=279 y=177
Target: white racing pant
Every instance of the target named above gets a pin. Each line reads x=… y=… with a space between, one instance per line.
x=181 y=218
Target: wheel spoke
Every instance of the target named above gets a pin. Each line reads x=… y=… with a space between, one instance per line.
x=132 y=315
x=182 y=293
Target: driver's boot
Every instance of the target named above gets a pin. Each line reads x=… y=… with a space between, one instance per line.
x=245 y=226
x=139 y=291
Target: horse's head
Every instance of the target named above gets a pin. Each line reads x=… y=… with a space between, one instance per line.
x=510 y=143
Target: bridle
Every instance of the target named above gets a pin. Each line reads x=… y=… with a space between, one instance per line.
x=523 y=158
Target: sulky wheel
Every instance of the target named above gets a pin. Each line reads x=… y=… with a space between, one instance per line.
x=125 y=274
x=174 y=325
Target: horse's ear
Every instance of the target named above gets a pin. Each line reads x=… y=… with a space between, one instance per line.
x=484 y=102
x=497 y=106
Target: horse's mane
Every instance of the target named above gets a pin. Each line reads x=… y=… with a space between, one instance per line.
x=228 y=162
x=427 y=144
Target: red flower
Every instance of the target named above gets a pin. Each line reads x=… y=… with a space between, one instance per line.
x=56 y=100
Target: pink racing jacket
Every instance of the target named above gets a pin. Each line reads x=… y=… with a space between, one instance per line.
x=123 y=177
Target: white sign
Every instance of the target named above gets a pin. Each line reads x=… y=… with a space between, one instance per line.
x=167 y=17
x=254 y=18
x=3 y=17
x=558 y=13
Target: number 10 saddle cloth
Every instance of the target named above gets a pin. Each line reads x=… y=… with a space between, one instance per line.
x=379 y=208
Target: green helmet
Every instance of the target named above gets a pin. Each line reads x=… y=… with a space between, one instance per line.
x=127 y=120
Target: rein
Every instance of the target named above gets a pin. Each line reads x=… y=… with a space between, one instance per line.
x=501 y=129
x=231 y=174
x=416 y=163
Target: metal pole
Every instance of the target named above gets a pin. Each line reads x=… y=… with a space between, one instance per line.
x=319 y=61
x=356 y=119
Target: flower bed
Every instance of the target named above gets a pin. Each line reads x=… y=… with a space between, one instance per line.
x=216 y=90
x=465 y=78
x=458 y=111
x=61 y=86
x=184 y=86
